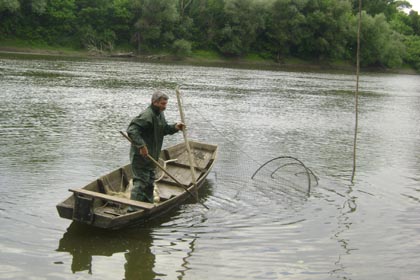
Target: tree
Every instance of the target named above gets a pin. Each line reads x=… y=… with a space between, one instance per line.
x=9 y=5
x=325 y=29
x=185 y=25
x=154 y=25
x=182 y=48
x=380 y=45
x=121 y=20
x=284 y=26
x=244 y=20
x=8 y=15
x=208 y=17
x=401 y=23
x=183 y=6
x=102 y=23
x=56 y=24
x=39 y=6
x=386 y=7
x=412 y=44
x=415 y=22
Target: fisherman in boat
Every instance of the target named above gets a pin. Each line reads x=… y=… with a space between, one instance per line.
x=147 y=131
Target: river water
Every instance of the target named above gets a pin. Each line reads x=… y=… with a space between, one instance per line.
x=59 y=126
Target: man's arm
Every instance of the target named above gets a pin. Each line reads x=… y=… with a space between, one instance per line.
x=136 y=130
x=171 y=129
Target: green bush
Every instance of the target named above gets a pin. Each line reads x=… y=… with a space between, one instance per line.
x=412 y=44
x=181 y=48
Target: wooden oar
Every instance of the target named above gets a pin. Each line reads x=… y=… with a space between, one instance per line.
x=187 y=143
x=167 y=173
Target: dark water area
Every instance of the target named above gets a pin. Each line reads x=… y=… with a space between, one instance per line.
x=59 y=123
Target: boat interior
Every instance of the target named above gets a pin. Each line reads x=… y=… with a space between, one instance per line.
x=109 y=195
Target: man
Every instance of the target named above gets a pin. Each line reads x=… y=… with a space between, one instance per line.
x=147 y=131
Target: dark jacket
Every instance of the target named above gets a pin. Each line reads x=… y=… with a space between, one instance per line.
x=148 y=129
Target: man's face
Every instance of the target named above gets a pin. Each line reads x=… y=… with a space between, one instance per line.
x=161 y=104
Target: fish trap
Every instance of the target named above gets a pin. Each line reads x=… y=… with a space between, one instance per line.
x=288 y=172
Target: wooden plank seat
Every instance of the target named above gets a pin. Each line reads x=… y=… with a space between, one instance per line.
x=169 y=189
x=169 y=181
x=185 y=166
x=120 y=200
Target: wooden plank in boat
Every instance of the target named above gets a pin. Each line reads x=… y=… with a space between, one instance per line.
x=121 y=200
x=182 y=174
x=169 y=189
x=202 y=146
x=200 y=158
x=174 y=163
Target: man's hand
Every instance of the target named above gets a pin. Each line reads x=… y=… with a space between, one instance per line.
x=180 y=126
x=144 y=151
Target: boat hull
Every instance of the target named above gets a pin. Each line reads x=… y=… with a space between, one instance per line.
x=95 y=205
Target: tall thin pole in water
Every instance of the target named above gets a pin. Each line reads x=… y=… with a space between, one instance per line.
x=356 y=95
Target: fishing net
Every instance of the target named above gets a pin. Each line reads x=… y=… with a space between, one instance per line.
x=288 y=172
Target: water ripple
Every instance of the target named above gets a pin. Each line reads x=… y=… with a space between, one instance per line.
x=59 y=125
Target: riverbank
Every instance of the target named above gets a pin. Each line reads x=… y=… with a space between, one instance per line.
x=203 y=58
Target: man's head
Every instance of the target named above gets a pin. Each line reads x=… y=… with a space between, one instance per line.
x=159 y=100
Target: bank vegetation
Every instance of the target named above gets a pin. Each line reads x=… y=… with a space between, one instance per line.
x=276 y=30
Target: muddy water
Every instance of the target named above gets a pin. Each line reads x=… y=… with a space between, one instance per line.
x=59 y=125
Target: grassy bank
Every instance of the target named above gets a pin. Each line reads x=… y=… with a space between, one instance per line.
x=34 y=47
x=197 y=57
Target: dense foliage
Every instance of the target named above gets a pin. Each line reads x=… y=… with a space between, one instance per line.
x=277 y=29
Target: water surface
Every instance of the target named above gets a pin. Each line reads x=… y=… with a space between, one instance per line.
x=59 y=125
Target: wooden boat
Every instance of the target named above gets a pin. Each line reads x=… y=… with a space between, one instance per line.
x=102 y=203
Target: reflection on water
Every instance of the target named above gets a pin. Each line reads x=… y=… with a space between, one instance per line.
x=84 y=242
x=59 y=123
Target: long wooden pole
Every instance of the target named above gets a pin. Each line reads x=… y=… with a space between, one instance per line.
x=187 y=144
x=356 y=95
x=166 y=172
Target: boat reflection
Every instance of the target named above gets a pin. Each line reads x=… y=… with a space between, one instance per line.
x=84 y=242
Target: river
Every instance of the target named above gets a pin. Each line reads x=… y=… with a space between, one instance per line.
x=59 y=126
